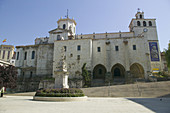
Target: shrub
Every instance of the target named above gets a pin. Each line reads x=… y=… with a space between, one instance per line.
x=86 y=76
x=60 y=92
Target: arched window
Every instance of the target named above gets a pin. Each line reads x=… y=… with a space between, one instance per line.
x=150 y=23
x=99 y=72
x=138 y=23
x=117 y=72
x=144 y=23
x=140 y=16
x=64 y=26
x=8 y=54
x=58 y=37
x=33 y=54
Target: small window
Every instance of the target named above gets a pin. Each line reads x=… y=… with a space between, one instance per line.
x=144 y=23
x=71 y=55
x=64 y=26
x=116 y=48
x=78 y=48
x=78 y=57
x=150 y=23
x=33 y=54
x=65 y=48
x=138 y=23
x=98 y=49
x=134 y=47
x=58 y=37
x=23 y=73
x=64 y=57
x=17 y=55
x=100 y=71
x=25 y=57
x=140 y=16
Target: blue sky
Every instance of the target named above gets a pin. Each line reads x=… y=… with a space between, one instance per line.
x=21 y=21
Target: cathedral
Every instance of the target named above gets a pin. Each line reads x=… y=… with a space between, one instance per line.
x=116 y=57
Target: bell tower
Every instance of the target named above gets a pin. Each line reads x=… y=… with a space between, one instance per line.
x=146 y=27
x=68 y=24
x=139 y=14
x=140 y=24
x=65 y=30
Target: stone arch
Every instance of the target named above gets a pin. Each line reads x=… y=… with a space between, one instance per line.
x=140 y=16
x=137 y=70
x=118 y=71
x=138 y=23
x=64 y=26
x=144 y=23
x=99 y=72
x=150 y=23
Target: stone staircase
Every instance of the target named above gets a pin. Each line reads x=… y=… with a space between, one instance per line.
x=151 y=89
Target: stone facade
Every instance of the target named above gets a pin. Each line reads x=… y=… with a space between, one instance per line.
x=34 y=60
x=7 y=54
x=120 y=56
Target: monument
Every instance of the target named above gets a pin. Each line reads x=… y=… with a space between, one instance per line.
x=62 y=91
x=61 y=74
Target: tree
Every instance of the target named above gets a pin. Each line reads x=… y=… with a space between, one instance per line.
x=8 y=76
x=86 y=76
x=167 y=55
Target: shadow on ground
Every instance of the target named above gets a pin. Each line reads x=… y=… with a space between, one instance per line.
x=158 y=105
x=165 y=96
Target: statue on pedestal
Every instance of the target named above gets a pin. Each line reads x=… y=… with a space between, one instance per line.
x=61 y=74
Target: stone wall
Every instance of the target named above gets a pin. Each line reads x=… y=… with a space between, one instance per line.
x=73 y=83
x=153 y=89
x=47 y=84
x=74 y=64
x=27 y=85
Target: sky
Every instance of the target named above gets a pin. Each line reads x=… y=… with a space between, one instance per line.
x=22 y=21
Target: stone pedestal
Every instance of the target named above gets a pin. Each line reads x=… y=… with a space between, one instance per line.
x=61 y=80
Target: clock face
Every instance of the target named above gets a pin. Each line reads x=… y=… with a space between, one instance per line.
x=145 y=30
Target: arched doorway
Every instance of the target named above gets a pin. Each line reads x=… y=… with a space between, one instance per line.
x=137 y=70
x=118 y=71
x=99 y=72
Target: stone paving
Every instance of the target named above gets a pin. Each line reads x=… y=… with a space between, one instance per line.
x=25 y=104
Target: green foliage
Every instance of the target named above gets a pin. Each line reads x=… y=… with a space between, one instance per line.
x=8 y=76
x=167 y=55
x=63 y=92
x=86 y=77
x=163 y=74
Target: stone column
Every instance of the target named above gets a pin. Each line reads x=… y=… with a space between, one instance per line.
x=126 y=56
x=108 y=60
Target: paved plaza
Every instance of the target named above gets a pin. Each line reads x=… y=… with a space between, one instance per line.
x=25 y=104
